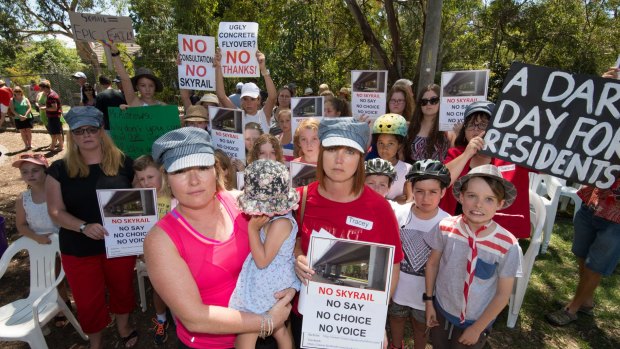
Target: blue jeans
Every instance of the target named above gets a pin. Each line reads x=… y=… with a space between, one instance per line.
x=597 y=241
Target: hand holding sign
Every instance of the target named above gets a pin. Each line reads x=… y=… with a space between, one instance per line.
x=95 y=231
x=475 y=145
x=303 y=271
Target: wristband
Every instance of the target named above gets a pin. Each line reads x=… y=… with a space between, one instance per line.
x=427 y=298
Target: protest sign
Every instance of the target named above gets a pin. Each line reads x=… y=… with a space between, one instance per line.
x=196 y=70
x=458 y=90
x=238 y=42
x=96 y=27
x=128 y=214
x=566 y=125
x=369 y=93
x=227 y=131
x=345 y=304
x=135 y=129
x=305 y=107
x=240 y=180
x=301 y=173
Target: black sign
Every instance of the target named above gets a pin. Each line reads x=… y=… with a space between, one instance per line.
x=563 y=124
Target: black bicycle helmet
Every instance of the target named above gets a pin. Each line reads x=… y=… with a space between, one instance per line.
x=379 y=166
x=429 y=169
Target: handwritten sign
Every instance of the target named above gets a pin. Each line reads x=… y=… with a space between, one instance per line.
x=566 y=125
x=196 y=70
x=128 y=215
x=227 y=131
x=458 y=90
x=238 y=42
x=135 y=129
x=369 y=93
x=95 y=27
x=345 y=304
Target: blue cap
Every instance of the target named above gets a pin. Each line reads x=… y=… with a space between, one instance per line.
x=479 y=107
x=346 y=132
x=184 y=148
x=84 y=116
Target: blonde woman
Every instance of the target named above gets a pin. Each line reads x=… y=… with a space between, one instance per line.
x=100 y=285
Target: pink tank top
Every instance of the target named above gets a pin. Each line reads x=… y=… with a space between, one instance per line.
x=215 y=266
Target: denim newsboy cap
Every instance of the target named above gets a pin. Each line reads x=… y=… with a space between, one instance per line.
x=344 y=132
x=84 y=116
x=184 y=148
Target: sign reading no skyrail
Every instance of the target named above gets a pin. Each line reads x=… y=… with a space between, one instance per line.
x=566 y=125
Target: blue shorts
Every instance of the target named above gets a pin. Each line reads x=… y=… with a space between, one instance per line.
x=597 y=241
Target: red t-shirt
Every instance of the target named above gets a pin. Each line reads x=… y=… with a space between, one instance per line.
x=5 y=95
x=53 y=98
x=517 y=175
x=368 y=218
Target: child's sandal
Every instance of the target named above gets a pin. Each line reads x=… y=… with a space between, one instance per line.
x=125 y=340
x=561 y=317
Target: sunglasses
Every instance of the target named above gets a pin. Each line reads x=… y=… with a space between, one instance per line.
x=31 y=156
x=432 y=101
x=90 y=130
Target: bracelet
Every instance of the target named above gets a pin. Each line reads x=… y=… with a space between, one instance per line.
x=115 y=54
x=261 y=332
x=266 y=326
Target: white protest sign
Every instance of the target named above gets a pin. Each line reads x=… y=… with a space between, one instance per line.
x=305 y=107
x=345 y=304
x=458 y=90
x=238 y=42
x=196 y=70
x=563 y=124
x=369 y=93
x=95 y=27
x=227 y=131
x=128 y=215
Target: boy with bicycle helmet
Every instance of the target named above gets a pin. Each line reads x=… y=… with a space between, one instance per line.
x=379 y=175
x=388 y=134
x=429 y=179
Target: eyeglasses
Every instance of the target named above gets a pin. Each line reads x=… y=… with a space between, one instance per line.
x=481 y=126
x=90 y=130
x=432 y=101
x=17 y=92
x=31 y=156
x=397 y=101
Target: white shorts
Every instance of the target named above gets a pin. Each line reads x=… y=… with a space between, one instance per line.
x=4 y=109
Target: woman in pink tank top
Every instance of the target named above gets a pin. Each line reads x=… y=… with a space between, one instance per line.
x=195 y=253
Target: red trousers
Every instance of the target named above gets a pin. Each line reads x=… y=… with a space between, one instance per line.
x=90 y=277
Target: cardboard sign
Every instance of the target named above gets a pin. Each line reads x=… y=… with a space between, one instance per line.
x=128 y=215
x=369 y=93
x=301 y=173
x=196 y=70
x=566 y=125
x=305 y=107
x=227 y=131
x=135 y=129
x=458 y=90
x=238 y=42
x=96 y=27
x=345 y=304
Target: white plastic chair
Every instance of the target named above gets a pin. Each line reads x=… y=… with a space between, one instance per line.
x=22 y=320
x=551 y=187
x=568 y=193
x=141 y=273
x=537 y=219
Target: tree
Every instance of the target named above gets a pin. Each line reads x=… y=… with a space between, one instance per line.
x=51 y=17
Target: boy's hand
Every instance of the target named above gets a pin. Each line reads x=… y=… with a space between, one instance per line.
x=431 y=316
x=257 y=222
x=470 y=336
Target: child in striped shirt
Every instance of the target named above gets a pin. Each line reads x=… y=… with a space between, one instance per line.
x=473 y=263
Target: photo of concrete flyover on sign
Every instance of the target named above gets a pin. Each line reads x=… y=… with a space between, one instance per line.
x=350 y=263
x=369 y=81
x=127 y=203
x=229 y=120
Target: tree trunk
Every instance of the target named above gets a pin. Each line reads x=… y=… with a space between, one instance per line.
x=430 y=44
x=371 y=40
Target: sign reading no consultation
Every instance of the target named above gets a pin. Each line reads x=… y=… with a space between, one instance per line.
x=196 y=70
x=563 y=124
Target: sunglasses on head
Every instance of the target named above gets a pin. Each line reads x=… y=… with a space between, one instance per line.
x=31 y=156
x=90 y=130
x=432 y=101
